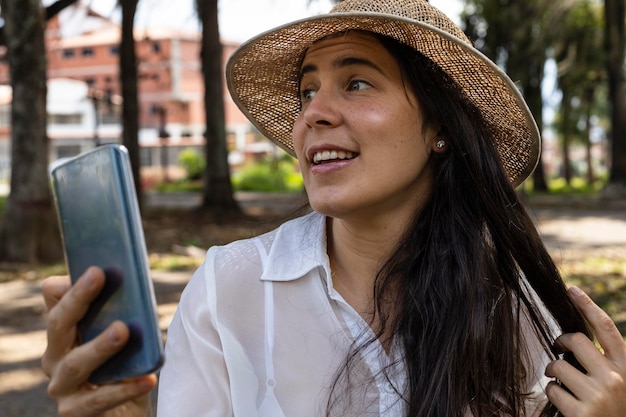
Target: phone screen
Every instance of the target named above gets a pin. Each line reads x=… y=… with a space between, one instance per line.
x=101 y=226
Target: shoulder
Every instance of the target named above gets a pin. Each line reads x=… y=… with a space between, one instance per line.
x=280 y=253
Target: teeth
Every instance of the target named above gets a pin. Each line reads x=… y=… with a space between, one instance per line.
x=331 y=156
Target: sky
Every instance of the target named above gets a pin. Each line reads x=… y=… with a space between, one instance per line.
x=238 y=19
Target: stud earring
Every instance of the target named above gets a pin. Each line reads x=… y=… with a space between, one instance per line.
x=440 y=144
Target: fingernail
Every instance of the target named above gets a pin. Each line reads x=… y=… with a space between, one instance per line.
x=89 y=277
x=575 y=291
x=144 y=385
x=114 y=337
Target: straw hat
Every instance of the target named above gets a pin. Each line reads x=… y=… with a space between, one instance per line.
x=262 y=74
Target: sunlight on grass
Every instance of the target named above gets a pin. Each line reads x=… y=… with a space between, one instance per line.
x=170 y=262
x=604 y=280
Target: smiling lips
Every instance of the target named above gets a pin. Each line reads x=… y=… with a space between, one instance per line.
x=326 y=156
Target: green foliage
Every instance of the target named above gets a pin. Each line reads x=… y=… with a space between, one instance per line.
x=183 y=186
x=576 y=186
x=3 y=202
x=269 y=175
x=603 y=277
x=193 y=163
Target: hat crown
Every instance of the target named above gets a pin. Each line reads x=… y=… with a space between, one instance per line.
x=263 y=73
x=417 y=10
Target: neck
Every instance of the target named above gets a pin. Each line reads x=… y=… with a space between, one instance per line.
x=356 y=252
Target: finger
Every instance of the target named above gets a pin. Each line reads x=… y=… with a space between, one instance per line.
x=95 y=402
x=53 y=289
x=604 y=328
x=65 y=314
x=74 y=370
x=584 y=350
x=577 y=382
x=563 y=400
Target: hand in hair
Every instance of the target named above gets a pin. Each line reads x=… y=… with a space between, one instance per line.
x=602 y=391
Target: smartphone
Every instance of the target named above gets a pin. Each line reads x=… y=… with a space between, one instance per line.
x=100 y=223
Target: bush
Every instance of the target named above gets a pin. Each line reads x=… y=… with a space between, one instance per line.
x=183 y=186
x=269 y=175
x=577 y=186
x=193 y=163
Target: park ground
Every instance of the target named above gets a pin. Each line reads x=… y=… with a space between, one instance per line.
x=587 y=239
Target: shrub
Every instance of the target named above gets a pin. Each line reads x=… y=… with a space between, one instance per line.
x=192 y=162
x=269 y=175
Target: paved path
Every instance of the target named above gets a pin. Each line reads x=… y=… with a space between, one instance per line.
x=22 y=335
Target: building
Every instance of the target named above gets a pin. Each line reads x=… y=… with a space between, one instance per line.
x=84 y=101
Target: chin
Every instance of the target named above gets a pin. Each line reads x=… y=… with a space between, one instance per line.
x=328 y=209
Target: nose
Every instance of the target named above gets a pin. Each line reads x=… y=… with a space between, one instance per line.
x=322 y=110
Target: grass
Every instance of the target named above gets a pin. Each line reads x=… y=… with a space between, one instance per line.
x=604 y=279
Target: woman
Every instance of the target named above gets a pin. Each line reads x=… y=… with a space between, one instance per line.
x=418 y=286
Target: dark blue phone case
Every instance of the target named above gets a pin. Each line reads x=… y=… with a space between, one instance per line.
x=100 y=222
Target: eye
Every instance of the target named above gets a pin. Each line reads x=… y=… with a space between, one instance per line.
x=307 y=94
x=358 y=85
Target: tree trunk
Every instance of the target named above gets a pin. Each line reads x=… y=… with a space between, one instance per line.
x=615 y=46
x=526 y=65
x=128 y=79
x=29 y=230
x=589 y=97
x=535 y=103
x=566 y=125
x=218 y=192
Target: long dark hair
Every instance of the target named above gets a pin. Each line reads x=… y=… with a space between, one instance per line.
x=463 y=268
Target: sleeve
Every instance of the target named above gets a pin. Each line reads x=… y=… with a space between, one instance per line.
x=194 y=380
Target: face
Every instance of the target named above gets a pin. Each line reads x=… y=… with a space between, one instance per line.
x=360 y=137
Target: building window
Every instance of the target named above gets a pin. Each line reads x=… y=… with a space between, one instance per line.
x=68 y=53
x=156 y=47
x=112 y=114
x=114 y=50
x=87 y=52
x=65 y=119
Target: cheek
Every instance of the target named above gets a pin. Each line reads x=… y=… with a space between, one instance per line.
x=297 y=137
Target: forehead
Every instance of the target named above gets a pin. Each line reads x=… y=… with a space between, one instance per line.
x=356 y=42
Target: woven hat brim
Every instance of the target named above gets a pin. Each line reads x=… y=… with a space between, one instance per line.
x=262 y=77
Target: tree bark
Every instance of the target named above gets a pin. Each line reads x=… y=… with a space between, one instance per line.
x=29 y=230
x=128 y=80
x=217 y=192
x=615 y=15
x=589 y=96
x=534 y=99
x=566 y=125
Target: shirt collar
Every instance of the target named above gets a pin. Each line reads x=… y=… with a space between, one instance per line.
x=299 y=247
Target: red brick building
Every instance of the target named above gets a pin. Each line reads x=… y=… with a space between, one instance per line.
x=84 y=104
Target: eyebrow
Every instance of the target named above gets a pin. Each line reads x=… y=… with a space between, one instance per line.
x=342 y=63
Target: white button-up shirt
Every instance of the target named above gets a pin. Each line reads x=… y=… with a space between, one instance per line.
x=261 y=332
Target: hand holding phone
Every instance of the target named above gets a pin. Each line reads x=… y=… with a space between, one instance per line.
x=101 y=226
x=69 y=365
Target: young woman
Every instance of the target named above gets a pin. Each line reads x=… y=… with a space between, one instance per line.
x=418 y=286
